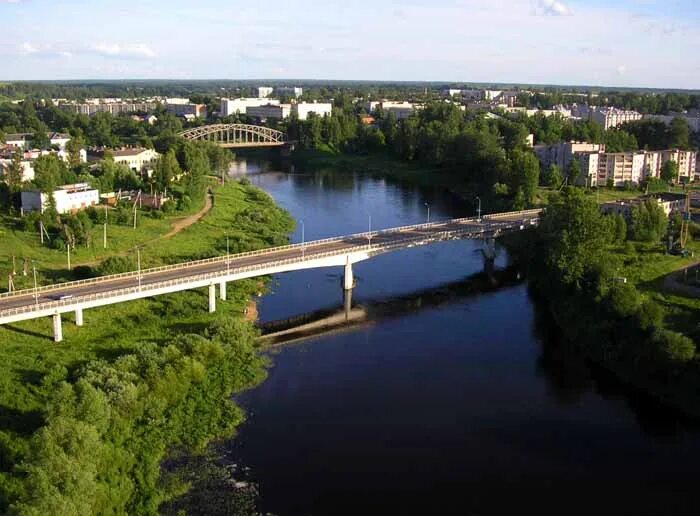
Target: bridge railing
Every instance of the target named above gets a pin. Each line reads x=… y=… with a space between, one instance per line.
x=257 y=252
x=76 y=301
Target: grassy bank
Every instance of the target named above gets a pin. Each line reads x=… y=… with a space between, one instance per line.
x=118 y=338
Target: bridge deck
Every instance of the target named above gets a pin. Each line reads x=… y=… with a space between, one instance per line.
x=374 y=243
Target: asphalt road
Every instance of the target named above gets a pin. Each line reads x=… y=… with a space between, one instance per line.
x=386 y=238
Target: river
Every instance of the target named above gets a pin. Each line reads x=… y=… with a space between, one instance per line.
x=464 y=405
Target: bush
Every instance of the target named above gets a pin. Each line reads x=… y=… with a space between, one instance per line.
x=674 y=346
x=115 y=265
x=157 y=214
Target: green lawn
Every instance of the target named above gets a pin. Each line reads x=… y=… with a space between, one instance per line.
x=52 y=264
x=28 y=353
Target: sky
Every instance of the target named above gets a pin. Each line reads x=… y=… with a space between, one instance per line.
x=633 y=43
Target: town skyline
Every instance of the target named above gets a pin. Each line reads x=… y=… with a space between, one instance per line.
x=625 y=43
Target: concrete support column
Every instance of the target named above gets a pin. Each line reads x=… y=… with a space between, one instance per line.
x=348 y=279
x=78 y=316
x=347 y=302
x=222 y=290
x=212 y=298
x=490 y=248
x=57 y=328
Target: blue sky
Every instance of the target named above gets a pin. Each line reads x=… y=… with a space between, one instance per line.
x=644 y=43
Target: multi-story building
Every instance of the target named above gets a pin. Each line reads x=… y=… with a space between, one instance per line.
x=589 y=163
x=67 y=198
x=185 y=108
x=612 y=117
x=113 y=108
x=137 y=159
x=264 y=91
x=289 y=90
x=620 y=167
x=26 y=164
x=231 y=107
x=302 y=109
x=269 y=111
x=561 y=154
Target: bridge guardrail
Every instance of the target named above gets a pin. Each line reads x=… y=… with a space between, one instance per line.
x=246 y=254
x=442 y=235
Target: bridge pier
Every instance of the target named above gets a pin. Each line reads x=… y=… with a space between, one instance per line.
x=212 y=298
x=348 y=279
x=222 y=291
x=490 y=248
x=57 y=328
x=347 y=302
x=79 y=317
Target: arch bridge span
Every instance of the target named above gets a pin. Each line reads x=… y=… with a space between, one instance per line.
x=232 y=136
x=341 y=251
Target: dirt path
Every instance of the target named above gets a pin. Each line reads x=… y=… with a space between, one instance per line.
x=184 y=223
x=177 y=226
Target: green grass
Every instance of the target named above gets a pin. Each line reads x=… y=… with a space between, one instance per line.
x=28 y=353
x=52 y=264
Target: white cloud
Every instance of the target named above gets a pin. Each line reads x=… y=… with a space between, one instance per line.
x=137 y=50
x=621 y=69
x=552 y=8
x=34 y=50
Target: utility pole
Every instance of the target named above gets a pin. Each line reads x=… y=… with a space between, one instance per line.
x=428 y=206
x=41 y=232
x=14 y=267
x=228 y=255
x=138 y=264
x=369 y=230
x=104 y=232
x=303 y=247
x=478 y=210
x=68 y=249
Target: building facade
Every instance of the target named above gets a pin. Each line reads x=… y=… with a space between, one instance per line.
x=230 y=107
x=303 y=109
x=269 y=111
x=612 y=117
x=264 y=91
x=68 y=199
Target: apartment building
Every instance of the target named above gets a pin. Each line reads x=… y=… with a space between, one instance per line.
x=113 y=108
x=137 y=159
x=264 y=91
x=561 y=154
x=692 y=118
x=238 y=106
x=269 y=111
x=610 y=117
x=185 y=108
x=68 y=198
x=303 y=109
x=289 y=90
x=669 y=202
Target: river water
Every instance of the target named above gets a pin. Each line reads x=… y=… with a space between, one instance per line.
x=457 y=399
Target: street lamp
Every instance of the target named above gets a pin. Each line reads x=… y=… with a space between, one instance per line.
x=303 y=247
x=478 y=210
x=138 y=264
x=36 y=289
x=369 y=230
x=428 y=206
x=228 y=255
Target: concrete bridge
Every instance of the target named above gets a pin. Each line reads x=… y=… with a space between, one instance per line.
x=343 y=251
x=236 y=136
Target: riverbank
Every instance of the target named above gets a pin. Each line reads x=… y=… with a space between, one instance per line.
x=137 y=380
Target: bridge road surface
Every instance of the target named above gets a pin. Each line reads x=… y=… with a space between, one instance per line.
x=353 y=243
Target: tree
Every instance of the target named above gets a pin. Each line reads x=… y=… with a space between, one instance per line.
x=649 y=222
x=14 y=173
x=73 y=148
x=166 y=169
x=679 y=134
x=524 y=174
x=49 y=172
x=573 y=172
x=574 y=236
x=553 y=176
x=669 y=171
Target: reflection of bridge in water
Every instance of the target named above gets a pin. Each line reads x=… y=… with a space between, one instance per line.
x=348 y=317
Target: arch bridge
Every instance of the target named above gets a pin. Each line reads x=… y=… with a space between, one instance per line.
x=232 y=136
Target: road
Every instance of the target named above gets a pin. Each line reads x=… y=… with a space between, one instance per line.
x=381 y=241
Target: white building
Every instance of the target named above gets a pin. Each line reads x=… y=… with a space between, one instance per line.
x=264 y=91
x=613 y=117
x=269 y=111
x=231 y=107
x=450 y=92
x=137 y=159
x=27 y=168
x=68 y=198
x=24 y=140
x=302 y=109
x=186 y=108
x=289 y=90
x=561 y=154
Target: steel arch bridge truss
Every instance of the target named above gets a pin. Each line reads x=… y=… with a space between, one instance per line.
x=237 y=135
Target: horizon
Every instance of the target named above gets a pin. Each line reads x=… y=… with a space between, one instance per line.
x=616 y=44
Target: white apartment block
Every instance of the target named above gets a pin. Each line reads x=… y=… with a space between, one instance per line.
x=561 y=154
x=264 y=91
x=303 y=109
x=231 y=107
x=104 y=106
x=186 y=108
x=289 y=90
x=613 y=117
x=620 y=167
x=269 y=111
x=68 y=198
